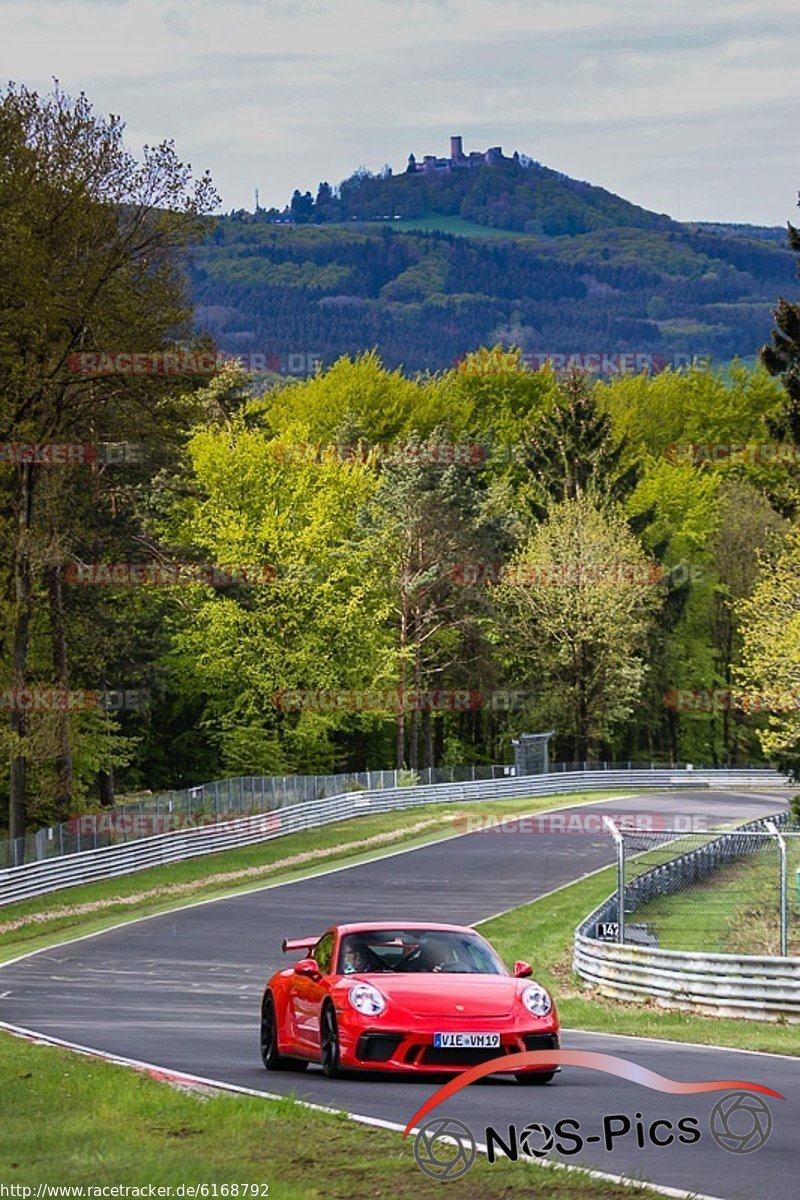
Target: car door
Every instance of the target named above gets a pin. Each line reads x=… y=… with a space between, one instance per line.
x=308 y=994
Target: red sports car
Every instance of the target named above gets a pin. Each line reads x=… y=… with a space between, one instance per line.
x=408 y=997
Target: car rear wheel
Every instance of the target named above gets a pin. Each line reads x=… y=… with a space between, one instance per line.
x=535 y=1078
x=329 y=1048
x=272 y=1060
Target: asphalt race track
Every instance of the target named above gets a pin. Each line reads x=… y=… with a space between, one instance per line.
x=182 y=991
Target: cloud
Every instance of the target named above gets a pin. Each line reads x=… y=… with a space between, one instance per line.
x=282 y=93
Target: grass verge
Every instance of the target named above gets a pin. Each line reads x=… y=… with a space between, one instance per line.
x=542 y=932
x=34 y=924
x=69 y=1120
x=448 y=224
x=735 y=911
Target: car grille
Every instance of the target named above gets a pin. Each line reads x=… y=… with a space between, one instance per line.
x=377 y=1047
x=436 y=1056
x=541 y=1041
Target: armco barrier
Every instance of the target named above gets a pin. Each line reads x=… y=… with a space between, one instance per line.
x=223 y=800
x=759 y=987
x=38 y=878
x=723 y=985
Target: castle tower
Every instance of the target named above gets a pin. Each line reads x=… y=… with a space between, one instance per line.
x=456 y=149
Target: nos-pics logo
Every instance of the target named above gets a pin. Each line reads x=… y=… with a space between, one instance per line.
x=445 y=1148
x=740 y=1122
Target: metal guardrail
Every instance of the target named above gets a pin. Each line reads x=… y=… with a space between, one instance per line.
x=37 y=878
x=759 y=987
x=722 y=985
x=220 y=800
x=244 y=796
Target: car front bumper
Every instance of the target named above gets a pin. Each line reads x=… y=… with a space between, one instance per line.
x=382 y=1049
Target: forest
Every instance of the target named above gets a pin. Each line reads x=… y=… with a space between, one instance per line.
x=424 y=297
x=315 y=572
x=212 y=574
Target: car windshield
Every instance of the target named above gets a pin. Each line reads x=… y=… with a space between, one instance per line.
x=421 y=950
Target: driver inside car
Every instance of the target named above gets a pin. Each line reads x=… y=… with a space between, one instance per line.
x=358 y=958
x=433 y=955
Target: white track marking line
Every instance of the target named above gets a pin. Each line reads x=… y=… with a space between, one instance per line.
x=410 y=850
x=199 y=1081
x=264 y=887
x=637 y=1037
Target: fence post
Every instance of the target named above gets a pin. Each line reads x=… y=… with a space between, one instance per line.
x=620 y=843
x=773 y=828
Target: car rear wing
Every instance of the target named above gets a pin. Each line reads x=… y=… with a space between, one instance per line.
x=298 y=944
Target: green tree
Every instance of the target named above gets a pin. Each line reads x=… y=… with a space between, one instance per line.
x=302 y=207
x=358 y=395
x=420 y=524
x=781 y=356
x=746 y=524
x=580 y=644
x=771 y=651
x=89 y=244
x=572 y=451
x=655 y=414
x=314 y=622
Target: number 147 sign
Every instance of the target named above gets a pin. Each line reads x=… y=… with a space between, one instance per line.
x=608 y=931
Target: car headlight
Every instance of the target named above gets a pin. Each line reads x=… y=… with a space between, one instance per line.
x=366 y=999
x=537 y=1001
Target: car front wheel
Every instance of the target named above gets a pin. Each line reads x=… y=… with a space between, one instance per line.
x=330 y=1050
x=272 y=1060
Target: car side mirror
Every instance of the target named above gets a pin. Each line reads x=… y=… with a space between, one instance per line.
x=307 y=967
x=522 y=970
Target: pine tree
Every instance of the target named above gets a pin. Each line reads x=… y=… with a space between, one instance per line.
x=572 y=452
x=781 y=356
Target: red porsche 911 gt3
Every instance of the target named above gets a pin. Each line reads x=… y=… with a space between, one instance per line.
x=403 y=997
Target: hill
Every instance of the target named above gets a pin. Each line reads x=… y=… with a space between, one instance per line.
x=428 y=266
x=516 y=194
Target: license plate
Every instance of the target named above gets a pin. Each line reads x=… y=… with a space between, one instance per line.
x=466 y=1041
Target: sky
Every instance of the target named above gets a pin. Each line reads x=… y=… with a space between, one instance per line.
x=689 y=108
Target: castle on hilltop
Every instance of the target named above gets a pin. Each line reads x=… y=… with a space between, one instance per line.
x=458 y=160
